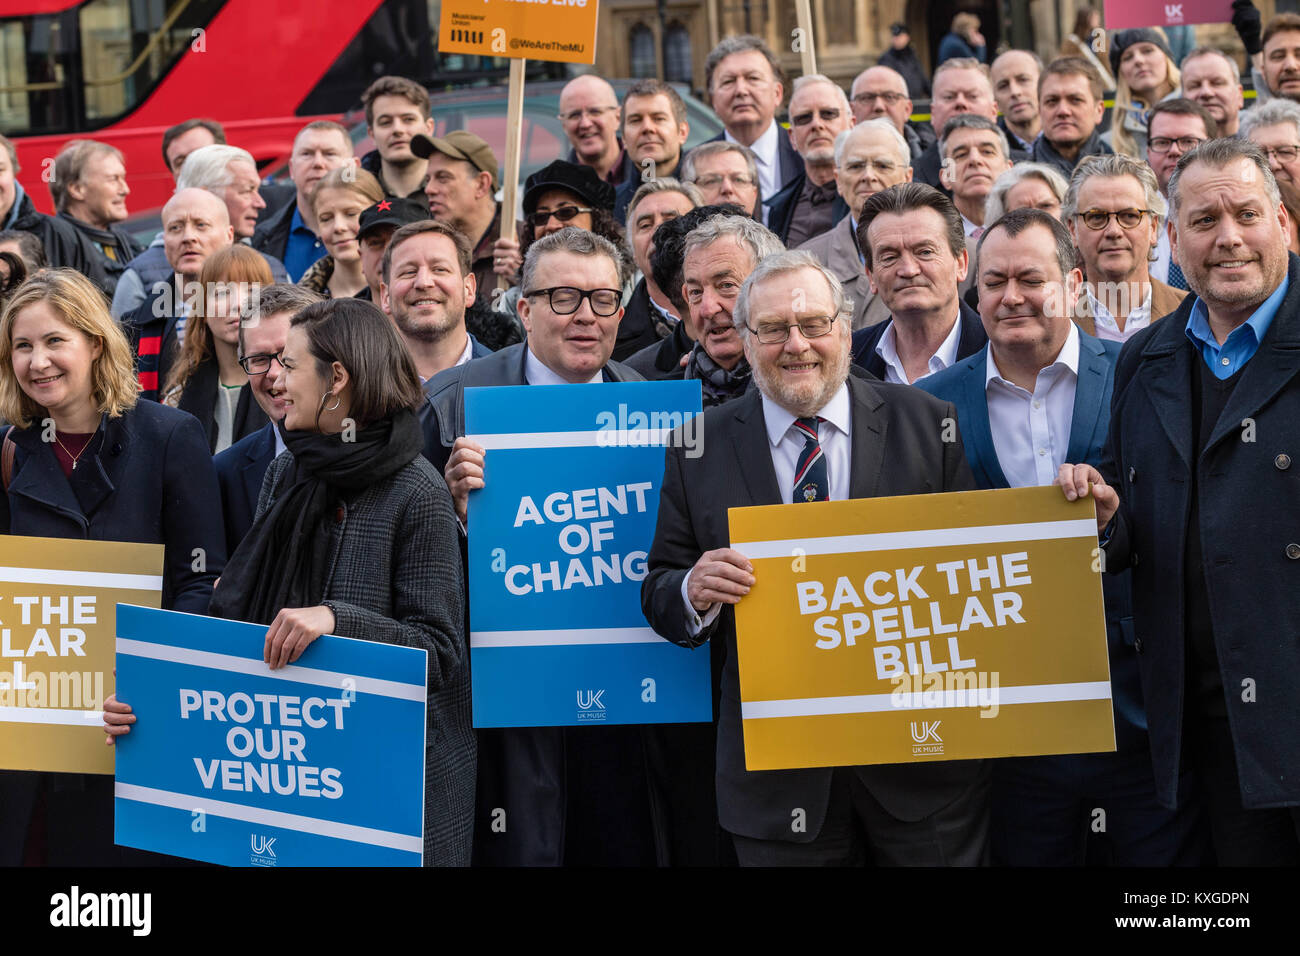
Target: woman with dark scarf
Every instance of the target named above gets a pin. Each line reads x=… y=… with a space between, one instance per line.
x=355 y=536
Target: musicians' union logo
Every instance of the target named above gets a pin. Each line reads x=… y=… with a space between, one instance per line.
x=925 y=738
x=590 y=705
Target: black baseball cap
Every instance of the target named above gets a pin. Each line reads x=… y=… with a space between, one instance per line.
x=582 y=181
x=391 y=211
x=898 y=29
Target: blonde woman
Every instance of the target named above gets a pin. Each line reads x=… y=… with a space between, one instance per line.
x=84 y=459
x=1145 y=74
x=964 y=40
x=1088 y=40
x=338 y=201
x=206 y=379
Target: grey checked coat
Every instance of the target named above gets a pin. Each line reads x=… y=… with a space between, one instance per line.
x=395 y=576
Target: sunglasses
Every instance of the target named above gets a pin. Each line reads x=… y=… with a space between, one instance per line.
x=563 y=214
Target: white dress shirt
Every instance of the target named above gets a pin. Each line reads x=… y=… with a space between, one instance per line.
x=767 y=156
x=970 y=228
x=1031 y=432
x=1106 y=327
x=1160 y=267
x=535 y=373
x=786 y=444
x=887 y=349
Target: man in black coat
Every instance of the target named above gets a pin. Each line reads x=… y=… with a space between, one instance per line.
x=1199 y=478
x=902 y=59
x=1071 y=107
x=63 y=246
x=875 y=440
x=911 y=236
x=242 y=466
x=809 y=204
x=89 y=190
x=651 y=315
x=571 y=795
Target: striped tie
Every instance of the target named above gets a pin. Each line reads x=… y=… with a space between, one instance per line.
x=1176 y=278
x=810 y=478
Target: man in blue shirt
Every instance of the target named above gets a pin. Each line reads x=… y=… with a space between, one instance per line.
x=1200 y=499
x=290 y=235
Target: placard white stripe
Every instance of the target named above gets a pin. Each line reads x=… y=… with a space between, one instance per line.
x=291 y=672
x=50 y=715
x=82 y=579
x=273 y=818
x=934 y=538
x=968 y=697
x=611 y=438
x=568 y=637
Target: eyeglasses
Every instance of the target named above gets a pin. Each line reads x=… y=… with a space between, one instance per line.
x=257 y=364
x=889 y=98
x=1161 y=144
x=566 y=300
x=716 y=179
x=1283 y=154
x=591 y=112
x=858 y=167
x=1098 y=219
x=827 y=116
x=563 y=214
x=775 y=333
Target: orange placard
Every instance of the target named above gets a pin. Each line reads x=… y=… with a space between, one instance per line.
x=928 y=627
x=58 y=623
x=563 y=31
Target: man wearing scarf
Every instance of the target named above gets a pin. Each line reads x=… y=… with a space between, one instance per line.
x=89 y=191
x=719 y=256
x=573 y=796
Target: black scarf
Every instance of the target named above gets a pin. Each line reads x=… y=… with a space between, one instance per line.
x=718 y=383
x=280 y=563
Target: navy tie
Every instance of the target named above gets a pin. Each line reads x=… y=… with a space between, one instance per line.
x=1176 y=278
x=811 y=482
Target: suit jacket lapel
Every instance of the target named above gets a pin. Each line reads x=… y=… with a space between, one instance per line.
x=1269 y=370
x=1165 y=376
x=753 y=452
x=976 y=432
x=867 y=427
x=1091 y=412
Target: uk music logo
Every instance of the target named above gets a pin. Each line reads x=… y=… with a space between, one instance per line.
x=590 y=705
x=925 y=738
x=263 y=848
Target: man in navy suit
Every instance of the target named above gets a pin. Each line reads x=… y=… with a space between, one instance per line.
x=1037 y=396
x=746 y=86
x=912 y=239
x=241 y=467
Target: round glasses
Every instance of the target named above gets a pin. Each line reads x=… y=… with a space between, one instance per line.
x=1098 y=219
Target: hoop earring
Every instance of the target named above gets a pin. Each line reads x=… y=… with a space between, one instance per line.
x=333 y=407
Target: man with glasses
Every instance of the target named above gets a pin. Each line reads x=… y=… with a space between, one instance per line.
x=1037 y=397
x=590 y=114
x=241 y=467
x=573 y=795
x=810 y=204
x=1275 y=128
x=1113 y=209
x=806 y=407
x=1174 y=127
x=723 y=173
x=916 y=260
x=880 y=91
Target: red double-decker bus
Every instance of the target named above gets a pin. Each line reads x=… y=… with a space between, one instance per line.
x=122 y=71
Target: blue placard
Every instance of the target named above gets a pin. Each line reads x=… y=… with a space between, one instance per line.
x=320 y=763
x=558 y=539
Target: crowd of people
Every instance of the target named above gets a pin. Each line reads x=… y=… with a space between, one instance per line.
x=1101 y=299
